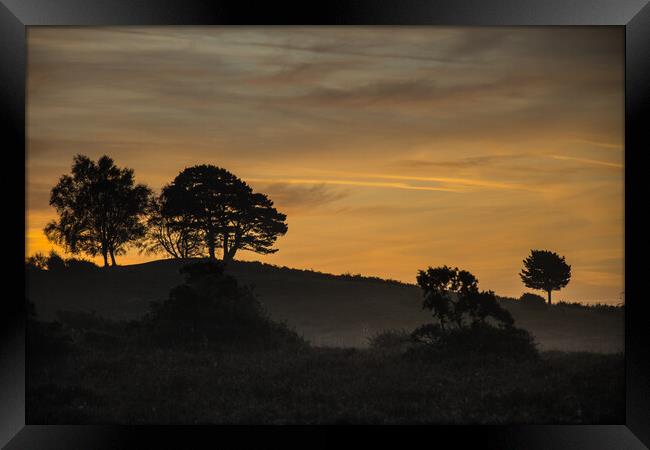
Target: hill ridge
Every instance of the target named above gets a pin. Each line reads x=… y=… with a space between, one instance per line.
x=328 y=309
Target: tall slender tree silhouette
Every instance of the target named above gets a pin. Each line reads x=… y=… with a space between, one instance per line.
x=100 y=208
x=225 y=210
x=545 y=270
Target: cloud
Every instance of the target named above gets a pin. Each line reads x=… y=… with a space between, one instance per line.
x=460 y=163
x=588 y=161
x=392 y=93
x=301 y=73
x=370 y=184
x=299 y=198
x=441 y=183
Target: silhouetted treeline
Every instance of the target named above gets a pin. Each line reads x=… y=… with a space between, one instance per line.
x=205 y=210
x=56 y=263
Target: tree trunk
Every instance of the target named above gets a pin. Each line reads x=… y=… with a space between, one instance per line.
x=209 y=240
x=113 y=263
x=105 y=255
x=549 y=296
x=229 y=255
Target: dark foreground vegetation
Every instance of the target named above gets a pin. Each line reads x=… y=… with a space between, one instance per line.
x=209 y=353
x=92 y=382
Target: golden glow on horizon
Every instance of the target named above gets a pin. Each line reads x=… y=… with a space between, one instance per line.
x=458 y=146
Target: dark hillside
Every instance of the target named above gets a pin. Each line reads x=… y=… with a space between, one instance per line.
x=326 y=309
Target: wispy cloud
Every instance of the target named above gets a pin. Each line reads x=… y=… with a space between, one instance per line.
x=449 y=183
x=597 y=143
x=317 y=181
x=462 y=163
x=588 y=161
x=298 y=197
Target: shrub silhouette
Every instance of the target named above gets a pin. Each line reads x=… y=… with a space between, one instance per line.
x=80 y=265
x=429 y=333
x=532 y=301
x=597 y=307
x=467 y=317
x=390 y=339
x=56 y=262
x=477 y=340
x=453 y=297
x=211 y=308
x=37 y=261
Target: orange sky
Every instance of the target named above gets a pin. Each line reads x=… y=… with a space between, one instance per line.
x=390 y=149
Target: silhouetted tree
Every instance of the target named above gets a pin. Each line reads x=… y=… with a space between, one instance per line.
x=545 y=270
x=530 y=300
x=452 y=295
x=225 y=210
x=170 y=233
x=100 y=209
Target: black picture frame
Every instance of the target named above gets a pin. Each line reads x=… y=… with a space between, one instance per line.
x=634 y=15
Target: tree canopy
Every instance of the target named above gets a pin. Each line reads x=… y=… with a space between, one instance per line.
x=224 y=210
x=170 y=233
x=452 y=296
x=100 y=208
x=545 y=270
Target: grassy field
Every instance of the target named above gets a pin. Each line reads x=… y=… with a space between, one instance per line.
x=327 y=310
x=92 y=385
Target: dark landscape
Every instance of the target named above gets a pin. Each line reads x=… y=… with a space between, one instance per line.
x=90 y=364
x=329 y=310
x=180 y=181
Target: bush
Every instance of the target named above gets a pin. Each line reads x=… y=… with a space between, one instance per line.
x=480 y=339
x=532 y=301
x=429 y=333
x=390 y=339
x=80 y=265
x=452 y=296
x=55 y=263
x=597 y=307
x=37 y=261
x=210 y=308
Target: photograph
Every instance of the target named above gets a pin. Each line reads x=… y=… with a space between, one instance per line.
x=317 y=225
